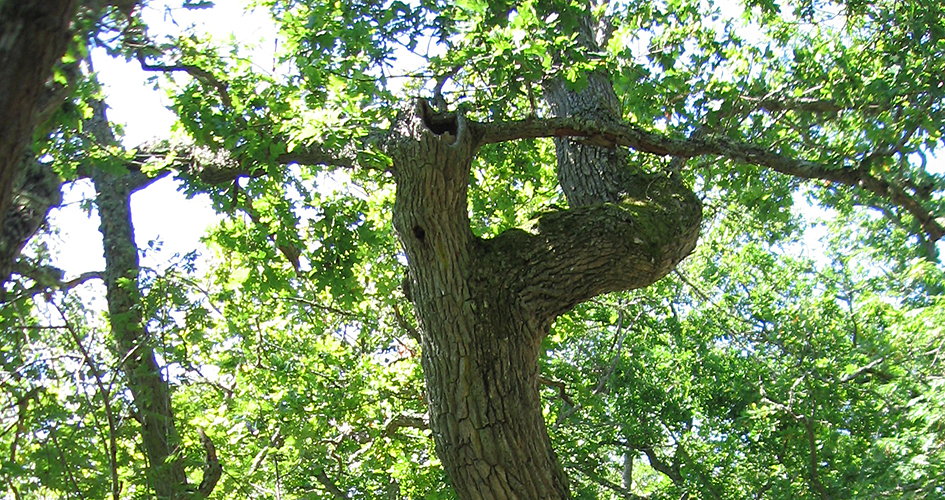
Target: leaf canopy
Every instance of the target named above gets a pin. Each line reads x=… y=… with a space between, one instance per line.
x=763 y=367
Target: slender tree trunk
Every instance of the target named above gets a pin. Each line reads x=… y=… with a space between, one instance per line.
x=134 y=344
x=147 y=385
x=485 y=305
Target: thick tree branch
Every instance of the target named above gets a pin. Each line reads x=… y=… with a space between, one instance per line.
x=669 y=470
x=316 y=154
x=613 y=134
x=329 y=485
x=355 y=152
x=571 y=256
x=221 y=167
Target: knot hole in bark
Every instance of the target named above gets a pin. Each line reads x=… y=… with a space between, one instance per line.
x=439 y=123
x=419 y=233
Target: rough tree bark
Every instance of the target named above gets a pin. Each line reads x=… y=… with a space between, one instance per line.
x=33 y=36
x=485 y=305
x=36 y=189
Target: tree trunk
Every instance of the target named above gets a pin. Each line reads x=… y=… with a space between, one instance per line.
x=485 y=305
x=148 y=387
x=135 y=347
x=480 y=350
x=36 y=190
x=33 y=36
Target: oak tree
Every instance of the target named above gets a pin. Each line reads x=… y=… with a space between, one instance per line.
x=537 y=163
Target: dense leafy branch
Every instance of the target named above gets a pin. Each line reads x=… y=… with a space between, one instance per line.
x=614 y=134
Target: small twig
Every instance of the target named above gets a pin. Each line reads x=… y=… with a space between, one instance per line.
x=274 y=442
x=620 y=335
x=42 y=285
x=324 y=308
x=407 y=327
x=863 y=369
x=616 y=488
x=562 y=389
x=106 y=402
x=438 y=99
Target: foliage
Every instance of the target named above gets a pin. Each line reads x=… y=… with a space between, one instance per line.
x=769 y=365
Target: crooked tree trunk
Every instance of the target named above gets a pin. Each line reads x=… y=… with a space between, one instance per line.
x=485 y=305
x=480 y=364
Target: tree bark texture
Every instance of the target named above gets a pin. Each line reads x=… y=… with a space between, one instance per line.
x=34 y=35
x=148 y=387
x=485 y=305
x=36 y=190
x=481 y=368
x=135 y=347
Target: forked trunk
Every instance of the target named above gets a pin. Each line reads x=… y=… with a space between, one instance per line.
x=485 y=305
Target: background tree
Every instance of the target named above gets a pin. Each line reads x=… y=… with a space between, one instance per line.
x=550 y=310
